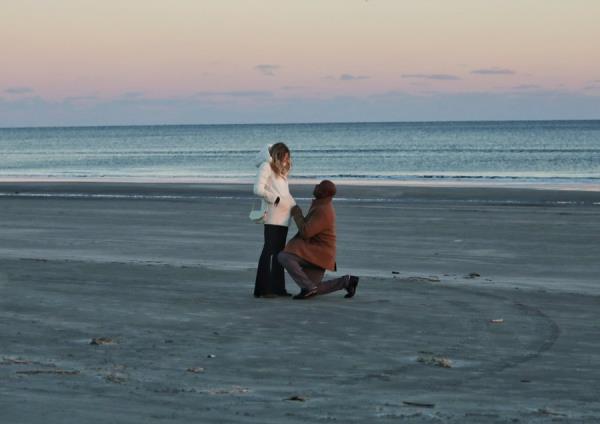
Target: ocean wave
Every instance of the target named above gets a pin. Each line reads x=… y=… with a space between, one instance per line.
x=250 y=197
x=249 y=177
x=250 y=152
x=528 y=178
x=487 y=153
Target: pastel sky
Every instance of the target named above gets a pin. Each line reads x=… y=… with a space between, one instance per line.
x=83 y=62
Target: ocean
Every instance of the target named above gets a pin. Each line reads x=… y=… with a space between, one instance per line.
x=532 y=152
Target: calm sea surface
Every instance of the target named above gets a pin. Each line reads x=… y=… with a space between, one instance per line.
x=538 y=152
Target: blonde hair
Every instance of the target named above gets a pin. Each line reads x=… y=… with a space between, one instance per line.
x=278 y=152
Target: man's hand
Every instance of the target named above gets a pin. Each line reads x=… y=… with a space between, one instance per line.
x=296 y=211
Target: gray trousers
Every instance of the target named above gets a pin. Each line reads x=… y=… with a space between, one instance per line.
x=309 y=276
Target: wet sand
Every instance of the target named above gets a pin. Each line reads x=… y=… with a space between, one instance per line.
x=500 y=284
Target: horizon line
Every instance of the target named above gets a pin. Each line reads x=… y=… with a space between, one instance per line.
x=297 y=123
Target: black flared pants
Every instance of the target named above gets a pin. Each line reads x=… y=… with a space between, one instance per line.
x=270 y=277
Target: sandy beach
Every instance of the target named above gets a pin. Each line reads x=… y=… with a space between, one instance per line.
x=475 y=305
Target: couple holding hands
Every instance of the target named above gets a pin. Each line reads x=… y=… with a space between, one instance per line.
x=312 y=250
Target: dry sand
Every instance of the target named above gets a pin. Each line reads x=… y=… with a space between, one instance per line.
x=474 y=306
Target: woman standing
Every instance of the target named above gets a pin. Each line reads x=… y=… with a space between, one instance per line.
x=274 y=163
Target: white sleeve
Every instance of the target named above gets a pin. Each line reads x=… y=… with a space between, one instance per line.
x=260 y=185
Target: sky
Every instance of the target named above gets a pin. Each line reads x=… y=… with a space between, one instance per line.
x=83 y=62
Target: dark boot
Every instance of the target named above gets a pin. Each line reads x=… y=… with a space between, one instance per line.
x=352 y=284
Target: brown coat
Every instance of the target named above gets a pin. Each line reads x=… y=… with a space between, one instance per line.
x=315 y=240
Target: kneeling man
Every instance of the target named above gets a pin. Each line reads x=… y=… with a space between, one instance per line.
x=310 y=252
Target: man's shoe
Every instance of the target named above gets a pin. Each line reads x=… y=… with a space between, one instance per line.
x=305 y=294
x=352 y=284
x=284 y=294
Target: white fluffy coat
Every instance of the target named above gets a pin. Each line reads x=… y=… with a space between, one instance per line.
x=269 y=186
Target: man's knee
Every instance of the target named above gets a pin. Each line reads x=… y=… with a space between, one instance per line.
x=283 y=258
